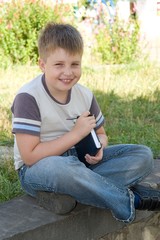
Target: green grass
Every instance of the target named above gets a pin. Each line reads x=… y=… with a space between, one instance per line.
x=11 y=80
x=129 y=96
x=9 y=182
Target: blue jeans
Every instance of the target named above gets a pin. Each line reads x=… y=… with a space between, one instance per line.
x=105 y=185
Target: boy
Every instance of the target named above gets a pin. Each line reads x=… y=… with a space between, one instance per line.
x=45 y=156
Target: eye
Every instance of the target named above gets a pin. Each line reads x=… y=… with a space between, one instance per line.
x=58 y=64
x=75 y=64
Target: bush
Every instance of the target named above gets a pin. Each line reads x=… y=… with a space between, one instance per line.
x=118 y=42
x=20 y=23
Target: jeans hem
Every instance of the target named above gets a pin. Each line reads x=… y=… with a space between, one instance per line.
x=132 y=211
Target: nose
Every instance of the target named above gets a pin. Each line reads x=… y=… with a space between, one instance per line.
x=68 y=71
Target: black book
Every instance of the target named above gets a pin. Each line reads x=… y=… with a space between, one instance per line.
x=88 y=145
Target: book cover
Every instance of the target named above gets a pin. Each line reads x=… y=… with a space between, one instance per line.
x=88 y=145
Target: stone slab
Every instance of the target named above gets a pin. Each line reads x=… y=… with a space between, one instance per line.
x=153 y=179
x=21 y=218
x=57 y=203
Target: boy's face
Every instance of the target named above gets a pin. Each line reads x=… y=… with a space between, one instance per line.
x=62 y=70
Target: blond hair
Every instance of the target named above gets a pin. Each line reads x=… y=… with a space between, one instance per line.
x=55 y=36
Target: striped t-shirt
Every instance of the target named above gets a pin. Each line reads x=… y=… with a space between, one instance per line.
x=36 y=112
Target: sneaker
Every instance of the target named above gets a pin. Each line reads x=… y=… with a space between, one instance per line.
x=149 y=198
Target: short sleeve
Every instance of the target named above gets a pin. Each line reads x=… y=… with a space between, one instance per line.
x=26 y=115
x=96 y=111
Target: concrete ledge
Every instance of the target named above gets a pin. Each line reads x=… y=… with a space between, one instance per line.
x=57 y=203
x=22 y=218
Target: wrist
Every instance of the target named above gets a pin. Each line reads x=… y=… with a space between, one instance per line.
x=103 y=140
x=75 y=136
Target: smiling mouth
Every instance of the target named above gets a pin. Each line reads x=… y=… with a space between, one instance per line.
x=66 y=80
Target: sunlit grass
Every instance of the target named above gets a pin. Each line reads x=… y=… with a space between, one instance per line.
x=125 y=80
x=11 y=80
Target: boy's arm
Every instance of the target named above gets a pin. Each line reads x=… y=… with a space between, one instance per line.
x=32 y=149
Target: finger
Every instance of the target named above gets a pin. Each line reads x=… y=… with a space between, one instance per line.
x=91 y=159
x=85 y=114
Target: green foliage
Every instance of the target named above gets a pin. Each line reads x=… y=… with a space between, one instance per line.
x=5 y=60
x=20 y=23
x=9 y=182
x=118 y=43
x=83 y=3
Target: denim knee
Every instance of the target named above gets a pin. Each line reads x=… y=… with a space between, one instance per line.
x=147 y=156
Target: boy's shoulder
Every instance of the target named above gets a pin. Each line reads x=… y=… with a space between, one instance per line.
x=83 y=89
x=32 y=85
x=81 y=96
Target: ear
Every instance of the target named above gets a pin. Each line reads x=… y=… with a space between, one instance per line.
x=41 y=63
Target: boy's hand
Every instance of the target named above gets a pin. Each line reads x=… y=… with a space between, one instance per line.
x=84 y=124
x=95 y=159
